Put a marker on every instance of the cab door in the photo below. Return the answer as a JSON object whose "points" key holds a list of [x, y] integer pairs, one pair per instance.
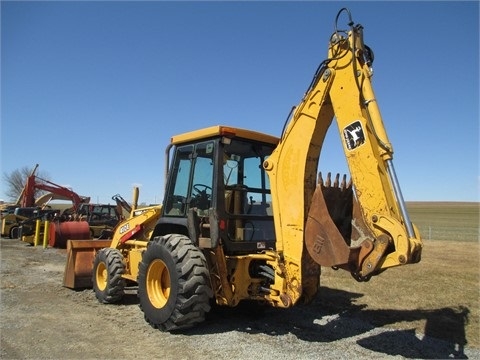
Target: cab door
{"points": [[191, 180]]}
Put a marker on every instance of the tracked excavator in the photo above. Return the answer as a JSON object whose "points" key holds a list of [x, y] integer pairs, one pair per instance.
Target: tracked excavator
{"points": [[246, 217]]}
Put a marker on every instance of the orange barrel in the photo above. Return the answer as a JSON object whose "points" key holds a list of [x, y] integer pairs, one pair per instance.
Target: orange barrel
{"points": [[68, 230]]}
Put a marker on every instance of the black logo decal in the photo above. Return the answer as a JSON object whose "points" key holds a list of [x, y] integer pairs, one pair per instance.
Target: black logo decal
{"points": [[354, 135]]}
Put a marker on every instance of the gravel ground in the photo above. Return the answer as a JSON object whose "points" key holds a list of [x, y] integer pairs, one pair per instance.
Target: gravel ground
{"points": [[40, 319]]}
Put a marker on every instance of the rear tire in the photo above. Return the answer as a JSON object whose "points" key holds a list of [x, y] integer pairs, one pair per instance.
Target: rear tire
{"points": [[173, 283], [108, 269]]}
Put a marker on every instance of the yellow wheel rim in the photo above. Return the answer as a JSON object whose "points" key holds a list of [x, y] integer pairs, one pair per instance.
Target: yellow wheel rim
{"points": [[101, 276], [158, 283]]}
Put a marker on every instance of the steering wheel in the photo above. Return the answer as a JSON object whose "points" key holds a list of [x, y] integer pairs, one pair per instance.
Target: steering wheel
{"points": [[201, 188], [201, 199]]}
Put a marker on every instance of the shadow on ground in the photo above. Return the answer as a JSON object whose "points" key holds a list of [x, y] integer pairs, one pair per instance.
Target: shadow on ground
{"points": [[334, 316]]}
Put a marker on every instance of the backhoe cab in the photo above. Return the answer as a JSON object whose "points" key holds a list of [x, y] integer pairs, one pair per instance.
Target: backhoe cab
{"points": [[246, 217], [218, 192]]}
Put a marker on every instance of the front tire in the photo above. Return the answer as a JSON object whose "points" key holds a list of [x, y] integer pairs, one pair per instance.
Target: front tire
{"points": [[108, 269], [14, 232], [173, 283]]}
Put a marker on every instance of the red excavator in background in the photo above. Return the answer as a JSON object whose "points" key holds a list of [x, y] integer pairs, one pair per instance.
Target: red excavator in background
{"points": [[11, 223], [34, 182]]}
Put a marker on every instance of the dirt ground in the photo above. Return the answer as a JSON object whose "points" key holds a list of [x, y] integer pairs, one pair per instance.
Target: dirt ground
{"points": [[40, 319]]}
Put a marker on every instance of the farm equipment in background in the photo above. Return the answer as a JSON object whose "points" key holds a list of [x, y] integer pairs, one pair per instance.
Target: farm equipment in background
{"points": [[101, 218], [13, 214], [122, 204], [35, 183], [11, 223], [92, 221], [28, 228], [244, 217], [6, 209]]}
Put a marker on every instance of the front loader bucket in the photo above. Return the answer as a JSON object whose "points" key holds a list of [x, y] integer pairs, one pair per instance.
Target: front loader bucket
{"points": [[329, 231], [79, 267]]}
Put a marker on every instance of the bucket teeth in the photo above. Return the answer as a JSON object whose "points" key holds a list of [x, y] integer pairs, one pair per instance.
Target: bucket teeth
{"points": [[336, 183], [329, 180], [344, 185], [320, 179], [335, 232]]}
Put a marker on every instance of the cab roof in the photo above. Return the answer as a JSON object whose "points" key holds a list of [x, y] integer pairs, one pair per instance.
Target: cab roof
{"points": [[221, 130]]}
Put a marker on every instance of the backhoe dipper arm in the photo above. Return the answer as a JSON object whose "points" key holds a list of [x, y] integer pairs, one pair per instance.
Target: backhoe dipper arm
{"points": [[342, 89]]}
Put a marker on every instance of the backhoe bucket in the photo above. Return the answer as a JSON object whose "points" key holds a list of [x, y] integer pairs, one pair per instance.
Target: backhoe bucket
{"points": [[329, 231], [79, 267]]}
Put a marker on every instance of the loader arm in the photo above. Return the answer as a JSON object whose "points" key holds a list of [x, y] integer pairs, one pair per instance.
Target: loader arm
{"points": [[305, 230], [134, 231]]}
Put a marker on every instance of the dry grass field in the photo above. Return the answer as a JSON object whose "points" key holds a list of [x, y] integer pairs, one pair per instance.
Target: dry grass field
{"points": [[439, 296], [446, 220]]}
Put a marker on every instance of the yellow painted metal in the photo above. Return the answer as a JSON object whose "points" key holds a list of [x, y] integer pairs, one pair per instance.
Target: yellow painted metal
{"points": [[101, 276], [46, 232], [30, 239], [143, 218], [220, 130], [36, 240], [241, 282], [158, 283], [135, 199], [343, 91], [133, 255]]}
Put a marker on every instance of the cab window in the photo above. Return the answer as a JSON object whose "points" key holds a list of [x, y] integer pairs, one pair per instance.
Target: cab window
{"points": [[191, 179]]}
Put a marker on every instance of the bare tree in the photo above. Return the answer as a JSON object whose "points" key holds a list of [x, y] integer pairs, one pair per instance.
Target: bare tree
{"points": [[15, 182]]}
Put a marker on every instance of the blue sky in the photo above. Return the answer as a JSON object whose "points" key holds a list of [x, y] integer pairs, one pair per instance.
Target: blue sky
{"points": [[93, 91]]}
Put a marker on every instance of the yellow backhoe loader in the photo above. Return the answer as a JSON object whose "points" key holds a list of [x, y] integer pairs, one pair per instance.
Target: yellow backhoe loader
{"points": [[246, 217]]}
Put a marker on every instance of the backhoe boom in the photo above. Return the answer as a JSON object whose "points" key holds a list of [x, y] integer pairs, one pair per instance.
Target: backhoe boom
{"points": [[341, 89]]}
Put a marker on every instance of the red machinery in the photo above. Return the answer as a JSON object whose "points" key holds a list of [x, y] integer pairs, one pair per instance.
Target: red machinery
{"points": [[60, 231], [34, 182]]}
